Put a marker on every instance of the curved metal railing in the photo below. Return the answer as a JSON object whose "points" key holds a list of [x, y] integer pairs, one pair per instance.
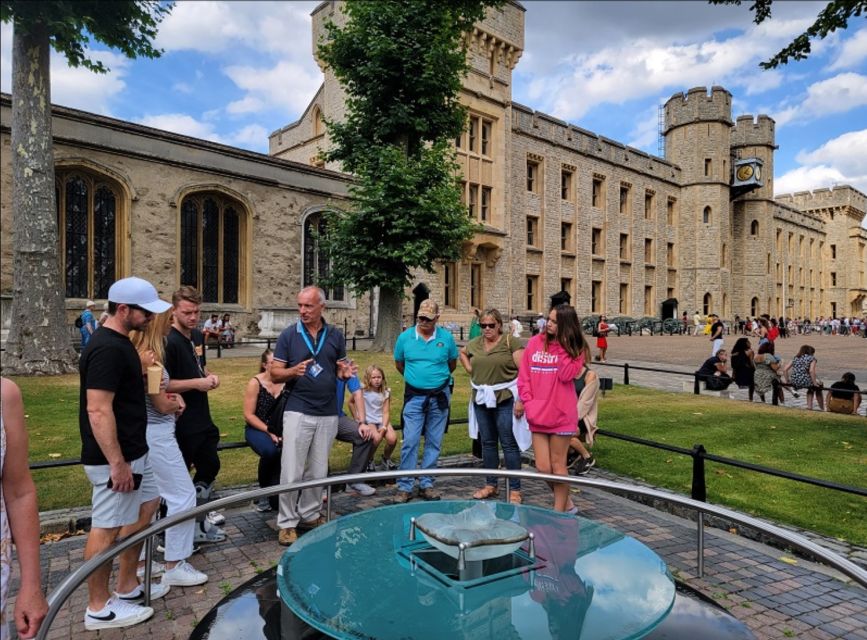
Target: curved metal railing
{"points": [[58, 597]]}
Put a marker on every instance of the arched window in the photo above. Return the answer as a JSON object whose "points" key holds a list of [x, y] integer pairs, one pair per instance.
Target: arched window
{"points": [[754, 228], [88, 207], [318, 124], [754, 307], [708, 301], [724, 259], [705, 216], [317, 264], [211, 230]]}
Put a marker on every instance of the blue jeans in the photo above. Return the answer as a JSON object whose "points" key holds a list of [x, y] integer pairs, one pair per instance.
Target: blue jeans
{"points": [[495, 424], [417, 422], [269, 457]]}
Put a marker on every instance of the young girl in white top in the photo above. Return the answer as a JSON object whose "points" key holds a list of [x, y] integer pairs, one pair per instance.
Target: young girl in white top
{"points": [[376, 410]]}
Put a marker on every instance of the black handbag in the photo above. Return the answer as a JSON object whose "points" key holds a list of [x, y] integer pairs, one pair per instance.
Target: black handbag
{"points": [[274, 419]]}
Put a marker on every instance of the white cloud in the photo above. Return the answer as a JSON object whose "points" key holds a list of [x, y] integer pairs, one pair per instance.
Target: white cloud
{"points": [[247, 104], [852, 52], [807, 179], [286, 86], [646, 67], [214, 27], [645, 135], [181, 123], [839, 94], [841, 160], [182, 87], [253, 137], [79, 88]]}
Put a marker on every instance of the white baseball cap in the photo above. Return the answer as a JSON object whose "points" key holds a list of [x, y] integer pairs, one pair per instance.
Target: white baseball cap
{"points": [[138, 292]]}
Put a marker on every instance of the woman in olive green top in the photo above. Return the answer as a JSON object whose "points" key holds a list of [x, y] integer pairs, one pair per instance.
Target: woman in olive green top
{"points": [[492, 362]]}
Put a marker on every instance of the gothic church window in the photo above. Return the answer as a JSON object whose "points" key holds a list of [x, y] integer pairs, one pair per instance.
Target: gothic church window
{"points": [[211, 230], [705, 216], [88, 209], [316, 262], [754, 228], [707, 303]]}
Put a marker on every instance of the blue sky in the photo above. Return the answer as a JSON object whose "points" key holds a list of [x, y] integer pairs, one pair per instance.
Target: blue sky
{"points": [[233, 72]]}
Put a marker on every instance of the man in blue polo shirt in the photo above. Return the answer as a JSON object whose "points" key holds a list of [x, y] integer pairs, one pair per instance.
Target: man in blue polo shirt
{"points": [[309, 357], [425, 355]]}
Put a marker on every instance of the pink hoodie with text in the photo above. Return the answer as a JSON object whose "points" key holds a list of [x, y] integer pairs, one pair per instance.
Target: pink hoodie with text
{"points": [[545, 386]]}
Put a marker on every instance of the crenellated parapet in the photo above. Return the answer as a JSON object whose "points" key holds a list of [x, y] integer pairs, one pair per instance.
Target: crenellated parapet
{"points": [[545, 127], [697, 105], [750, 132], [840, 197]]}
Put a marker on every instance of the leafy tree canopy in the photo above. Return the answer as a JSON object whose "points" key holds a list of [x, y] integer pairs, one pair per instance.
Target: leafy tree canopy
{"points": [[834, 16], [128, 27], [401, 63]]}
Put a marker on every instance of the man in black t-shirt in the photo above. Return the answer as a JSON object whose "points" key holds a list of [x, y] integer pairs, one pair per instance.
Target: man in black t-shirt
{"points": [[196, 432], [112, 422], [714, 372], [844, 396]]}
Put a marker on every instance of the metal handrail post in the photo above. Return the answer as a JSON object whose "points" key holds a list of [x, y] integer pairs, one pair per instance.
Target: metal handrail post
{"points": [[700, 544]]}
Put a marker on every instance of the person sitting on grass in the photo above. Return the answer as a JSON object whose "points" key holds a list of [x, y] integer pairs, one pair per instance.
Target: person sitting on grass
{"points": [[844, 396], [714, 372]]}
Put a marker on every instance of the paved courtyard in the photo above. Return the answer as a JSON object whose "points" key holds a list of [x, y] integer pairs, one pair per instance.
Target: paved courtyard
{"points": [[777, 594]]}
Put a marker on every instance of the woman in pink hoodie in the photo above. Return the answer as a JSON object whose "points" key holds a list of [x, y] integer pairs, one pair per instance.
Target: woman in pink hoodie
{"points": [[552, 359]]}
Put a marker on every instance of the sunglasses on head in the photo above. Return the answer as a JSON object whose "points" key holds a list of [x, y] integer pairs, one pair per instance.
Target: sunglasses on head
{"points": [[488, 325], [425, 319], [147, 313]]}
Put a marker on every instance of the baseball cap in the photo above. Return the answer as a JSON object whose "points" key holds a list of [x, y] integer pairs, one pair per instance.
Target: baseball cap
{"points": [[428, 308], [138, 292]]}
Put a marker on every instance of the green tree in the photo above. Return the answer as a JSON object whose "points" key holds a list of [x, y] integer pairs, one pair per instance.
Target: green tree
{"points": [[834, 16], [38, 342], [401, 63]]}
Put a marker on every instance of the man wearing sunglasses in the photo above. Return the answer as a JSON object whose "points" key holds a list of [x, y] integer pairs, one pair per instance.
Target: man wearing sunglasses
{"points": [[113, 421], [425, 355]]}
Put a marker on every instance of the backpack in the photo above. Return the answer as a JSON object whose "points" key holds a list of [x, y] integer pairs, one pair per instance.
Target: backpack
{"points": [[595, 330], [79, 323]]}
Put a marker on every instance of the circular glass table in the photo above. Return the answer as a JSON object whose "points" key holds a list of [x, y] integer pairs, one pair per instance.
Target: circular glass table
{"points": [[365, 575]]}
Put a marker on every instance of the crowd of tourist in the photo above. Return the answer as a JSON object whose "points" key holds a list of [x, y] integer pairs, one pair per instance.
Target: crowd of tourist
{"points": [[763, 372], [145, 421]]}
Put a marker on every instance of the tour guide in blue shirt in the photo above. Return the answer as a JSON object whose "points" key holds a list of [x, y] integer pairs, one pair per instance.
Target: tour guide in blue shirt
{"points": [[309, 357], [425, 355]]}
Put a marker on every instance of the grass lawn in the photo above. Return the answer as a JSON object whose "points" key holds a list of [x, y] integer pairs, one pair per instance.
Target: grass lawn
{"points": [[826, 446]]}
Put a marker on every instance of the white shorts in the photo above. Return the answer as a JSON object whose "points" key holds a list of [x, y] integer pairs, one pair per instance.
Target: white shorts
{"points": [[111, 509]]}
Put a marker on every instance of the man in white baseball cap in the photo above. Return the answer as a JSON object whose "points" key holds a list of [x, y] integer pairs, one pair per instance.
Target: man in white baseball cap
{"points": [[113, 421]]}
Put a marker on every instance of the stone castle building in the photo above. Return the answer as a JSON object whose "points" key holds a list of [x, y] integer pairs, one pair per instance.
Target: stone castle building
{"points": [[562, 208]]}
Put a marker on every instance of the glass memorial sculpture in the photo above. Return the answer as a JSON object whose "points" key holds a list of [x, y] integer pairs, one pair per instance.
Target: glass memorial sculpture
{"points": [[462, 569]]}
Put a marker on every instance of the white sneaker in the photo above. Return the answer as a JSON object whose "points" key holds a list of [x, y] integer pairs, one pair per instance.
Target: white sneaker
{"points": [[216, 518], [363, 489], [116, 614], [156, 569], [183, 574], [158, 590]]}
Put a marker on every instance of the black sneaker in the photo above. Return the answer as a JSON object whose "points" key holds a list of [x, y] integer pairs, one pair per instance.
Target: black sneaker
{"points": [[584, 465], [571, 458]]}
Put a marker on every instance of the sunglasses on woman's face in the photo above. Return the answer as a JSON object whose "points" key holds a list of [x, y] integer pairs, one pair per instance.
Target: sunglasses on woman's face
{"points": [[486, 325]]}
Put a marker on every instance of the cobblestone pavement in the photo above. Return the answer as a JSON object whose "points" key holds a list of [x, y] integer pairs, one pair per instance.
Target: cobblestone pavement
{"points": [[777, 594]]}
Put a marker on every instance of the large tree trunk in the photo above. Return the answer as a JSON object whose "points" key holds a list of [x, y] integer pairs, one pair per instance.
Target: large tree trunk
{"points": [[38, 342], [388, 325]]}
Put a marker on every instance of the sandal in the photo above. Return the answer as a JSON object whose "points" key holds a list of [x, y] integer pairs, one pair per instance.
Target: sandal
{"points": [[515, 497], [485, 492]]}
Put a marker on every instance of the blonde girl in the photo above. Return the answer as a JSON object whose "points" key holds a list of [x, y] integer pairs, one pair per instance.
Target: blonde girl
{"points": [[170, 471], [377, 404]]}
